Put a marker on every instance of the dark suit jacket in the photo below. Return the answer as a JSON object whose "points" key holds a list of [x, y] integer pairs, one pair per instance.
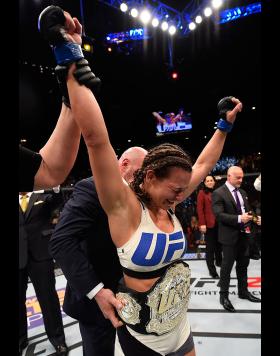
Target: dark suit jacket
{"points": [[226, 212], [35, 227], [82, 246]]}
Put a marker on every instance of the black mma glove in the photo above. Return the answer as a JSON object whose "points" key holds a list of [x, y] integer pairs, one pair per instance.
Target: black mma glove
{"points": [[225, 105], [51, 24]]}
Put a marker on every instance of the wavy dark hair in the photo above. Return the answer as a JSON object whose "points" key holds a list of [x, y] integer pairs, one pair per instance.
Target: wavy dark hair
{"points": [[160, 159], [206, 189]]}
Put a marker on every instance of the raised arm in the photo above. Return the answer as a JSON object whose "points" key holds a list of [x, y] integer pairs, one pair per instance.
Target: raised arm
{"points": [[64, 34], [212, 151], [103, 160], [60, 151]]}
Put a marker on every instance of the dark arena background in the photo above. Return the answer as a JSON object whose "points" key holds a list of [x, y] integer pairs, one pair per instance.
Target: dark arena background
{"points": [[144, 70]]}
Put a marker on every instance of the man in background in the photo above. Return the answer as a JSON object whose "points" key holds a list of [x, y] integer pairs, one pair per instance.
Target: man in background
{"points": [[231, 208], [35, 213]]}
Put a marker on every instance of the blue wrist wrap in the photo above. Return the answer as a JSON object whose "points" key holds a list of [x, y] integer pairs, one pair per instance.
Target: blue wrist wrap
{"points": [[68, 52], [224, 125]]}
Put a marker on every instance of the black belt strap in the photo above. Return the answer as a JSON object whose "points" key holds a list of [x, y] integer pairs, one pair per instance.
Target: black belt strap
{"points": [[145, 275]]}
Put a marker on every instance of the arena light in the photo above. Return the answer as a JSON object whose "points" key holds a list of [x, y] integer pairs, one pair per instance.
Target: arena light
{"points": [[155, 22], [172, 30], [123, 7], [216, 4], [134, 12], [198, 19], [145, 16], [208, 11], [180, 19], [192, 26], [164, 26]]}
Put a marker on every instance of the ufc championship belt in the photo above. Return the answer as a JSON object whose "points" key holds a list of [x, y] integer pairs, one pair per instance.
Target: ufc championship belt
{"points": [[159, 310]]}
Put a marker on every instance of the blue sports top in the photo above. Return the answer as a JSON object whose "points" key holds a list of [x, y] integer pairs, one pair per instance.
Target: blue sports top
{"points": [[149, 251]]}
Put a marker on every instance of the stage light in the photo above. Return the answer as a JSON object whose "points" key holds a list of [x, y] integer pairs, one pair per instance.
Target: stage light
{"points": [[198, 19], [145, 16], [109, 49], [164, 26], [134, 12], [155, 22], [172, 30], [208, 11], [216, 3], [123, 7], [192, 26]]}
